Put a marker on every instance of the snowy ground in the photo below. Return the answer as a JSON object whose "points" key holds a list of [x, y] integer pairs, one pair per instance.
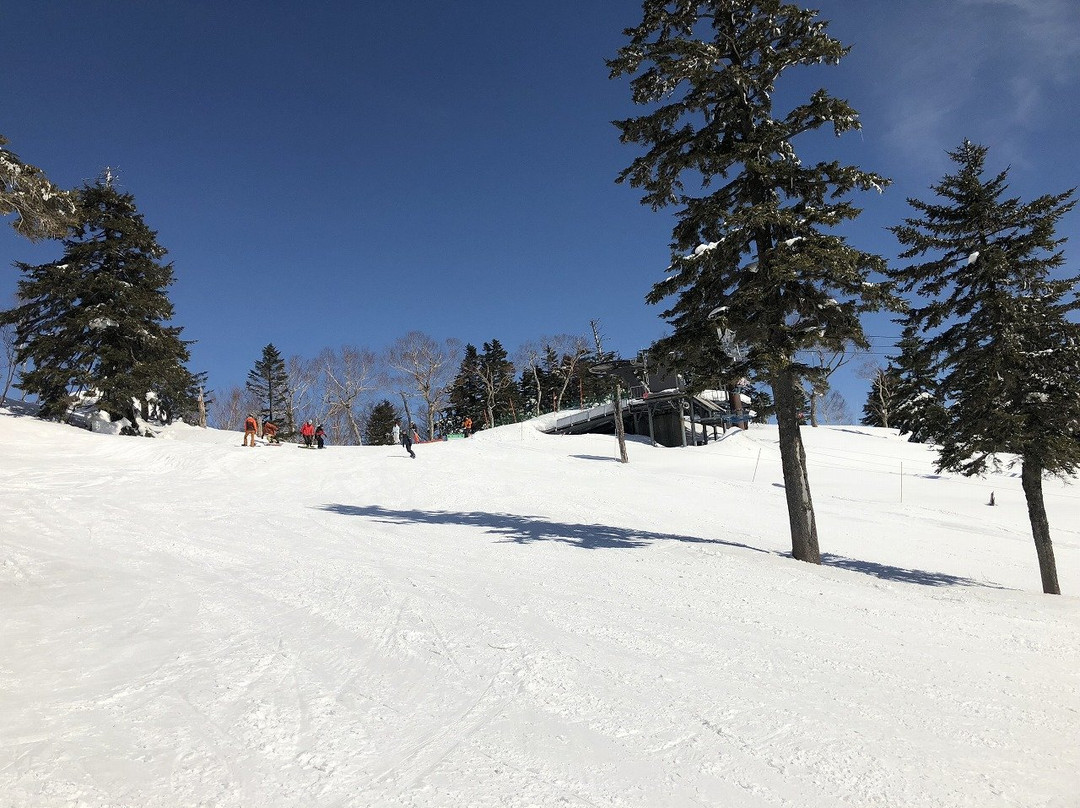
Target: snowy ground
{"points": [[519, 620]]}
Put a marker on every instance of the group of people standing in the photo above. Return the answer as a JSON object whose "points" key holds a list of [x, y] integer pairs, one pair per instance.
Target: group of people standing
{"points": [[311, 434], [315, 436]]}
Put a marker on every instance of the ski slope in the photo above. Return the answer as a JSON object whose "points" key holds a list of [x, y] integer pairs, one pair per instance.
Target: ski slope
{"points": [[519, 620]]}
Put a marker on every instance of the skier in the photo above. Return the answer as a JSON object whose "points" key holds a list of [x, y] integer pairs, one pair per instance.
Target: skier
{"points": [[395, 433], [307, 432], [467, 426], [251, 426], [320, 434]]}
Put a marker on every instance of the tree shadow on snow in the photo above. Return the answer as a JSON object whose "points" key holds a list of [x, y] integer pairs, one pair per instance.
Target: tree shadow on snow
{"points": [[890, 573], [529, 529]]}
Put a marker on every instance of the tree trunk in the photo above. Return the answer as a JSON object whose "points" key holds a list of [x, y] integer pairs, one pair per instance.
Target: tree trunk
{"points": [[1031, 477], [620, 432], [804, 539]]}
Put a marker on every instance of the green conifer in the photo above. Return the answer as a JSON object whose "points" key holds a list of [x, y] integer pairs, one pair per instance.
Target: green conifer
{"points": [[93, 325], [751, 253], [1005, 352]]}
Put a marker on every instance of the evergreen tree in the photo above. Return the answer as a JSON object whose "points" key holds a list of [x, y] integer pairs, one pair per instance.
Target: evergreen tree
{"points": [[1007, 354], [752, 255], [466, 393], [42, 210], [268, 382], [380, 424], [93, 324], [919, 411], [495, 372]]}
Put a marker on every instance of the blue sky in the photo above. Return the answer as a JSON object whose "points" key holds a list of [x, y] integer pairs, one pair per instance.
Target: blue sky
{"points": [[337, 173]]}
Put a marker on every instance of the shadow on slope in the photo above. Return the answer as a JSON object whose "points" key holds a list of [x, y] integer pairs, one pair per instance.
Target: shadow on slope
{"points": [[890, 573], [528, 529]]}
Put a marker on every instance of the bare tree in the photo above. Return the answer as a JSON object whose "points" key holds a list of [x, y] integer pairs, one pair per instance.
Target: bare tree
{"points": [[346, 376], [419, 364], [833, 409], [881, 402], [303, 380], [7, 340], [827, 362], [227, 411], [571, 350], [530, 358]]}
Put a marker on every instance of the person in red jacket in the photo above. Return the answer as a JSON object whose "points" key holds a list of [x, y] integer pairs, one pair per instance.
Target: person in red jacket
{"points": [[251, 426], [307, 431]]}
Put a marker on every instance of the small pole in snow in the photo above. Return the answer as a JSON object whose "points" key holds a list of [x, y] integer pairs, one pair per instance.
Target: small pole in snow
{"points": [[901, 480], [756, 464], [991, 502]]}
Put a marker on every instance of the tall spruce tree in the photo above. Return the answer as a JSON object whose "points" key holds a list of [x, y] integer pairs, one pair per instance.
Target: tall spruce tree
{"points": [[268, 382], [751, 253], [466, 392], [1007, 354], [94, 323], [495, 372], [919, 411]]}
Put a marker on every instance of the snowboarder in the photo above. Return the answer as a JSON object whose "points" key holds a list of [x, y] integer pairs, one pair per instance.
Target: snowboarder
{"points": [[467, 426], [307, 432], [406, 441], [251, 426], [270, 432], [395, 433], [320, 434]]}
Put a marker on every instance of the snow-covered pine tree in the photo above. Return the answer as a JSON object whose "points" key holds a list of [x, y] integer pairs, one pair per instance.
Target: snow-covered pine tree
{"points": [[94, 322], [268, 382], [750, 253], [919, 410], [41, 209], [997, 322]]}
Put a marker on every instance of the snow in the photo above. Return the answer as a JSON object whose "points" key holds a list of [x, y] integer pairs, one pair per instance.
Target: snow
{"points": [[517, 619], [971, 259]]}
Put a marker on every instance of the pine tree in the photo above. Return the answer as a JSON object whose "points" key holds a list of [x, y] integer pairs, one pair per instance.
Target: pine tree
{"points": [[1007, 354], [380, 424], [268, 382], [752, 255], [495, 372], [42, 210], [466, 393], [93, 324], [919, 410]]}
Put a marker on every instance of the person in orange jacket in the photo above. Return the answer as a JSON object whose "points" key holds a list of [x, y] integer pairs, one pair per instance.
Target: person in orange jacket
{"points": [[307, 432], [270, 432], [251, 426]]}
